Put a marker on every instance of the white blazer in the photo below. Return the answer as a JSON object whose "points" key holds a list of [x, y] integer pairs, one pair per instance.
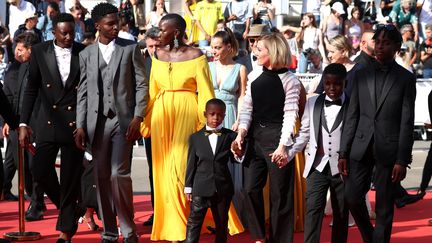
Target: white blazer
{"points": [[309, 132]]}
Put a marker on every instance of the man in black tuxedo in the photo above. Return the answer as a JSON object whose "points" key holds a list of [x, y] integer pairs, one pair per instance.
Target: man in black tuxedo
{"points": [[14, 86], [378, 132], [54, 75], [208, 181]]}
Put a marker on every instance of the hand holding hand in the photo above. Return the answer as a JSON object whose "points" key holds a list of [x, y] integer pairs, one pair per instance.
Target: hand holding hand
{"points": [[280, 156], [398, 173], [133, 131], [237, 151], [80, 138]]}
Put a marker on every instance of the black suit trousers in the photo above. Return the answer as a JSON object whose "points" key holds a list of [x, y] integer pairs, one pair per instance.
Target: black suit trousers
{"points": [[219, 205], [66, 193], [264, 141], [427, 171], [317, 184], [357, 185]]}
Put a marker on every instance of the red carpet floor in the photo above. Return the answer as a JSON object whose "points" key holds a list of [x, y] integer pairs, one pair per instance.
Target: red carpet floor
{"points": [[409, 224]]}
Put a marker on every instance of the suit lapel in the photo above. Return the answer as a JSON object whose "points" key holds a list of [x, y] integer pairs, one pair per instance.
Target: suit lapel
{"points": [[115, 58], [371, 86], [390, 80], [220, 141], [340, 116], [318, 107], [205, 142], [51, 63], [74, 70]]}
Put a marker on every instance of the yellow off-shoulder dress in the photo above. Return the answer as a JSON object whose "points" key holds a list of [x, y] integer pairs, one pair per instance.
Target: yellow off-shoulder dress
{"points": [[178, 94]]}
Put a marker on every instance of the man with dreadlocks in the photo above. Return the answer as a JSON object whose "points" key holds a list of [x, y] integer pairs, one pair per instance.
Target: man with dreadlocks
{"points": [[112, 97]]}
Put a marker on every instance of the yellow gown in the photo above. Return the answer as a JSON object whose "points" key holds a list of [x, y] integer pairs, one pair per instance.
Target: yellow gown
{"points": [[178, 94], [191, 27]]}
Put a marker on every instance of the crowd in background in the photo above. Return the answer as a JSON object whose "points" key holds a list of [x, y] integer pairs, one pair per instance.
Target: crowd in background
{"points": [[230, 50]]}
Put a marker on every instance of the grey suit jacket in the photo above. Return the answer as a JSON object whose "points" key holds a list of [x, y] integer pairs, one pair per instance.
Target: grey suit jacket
{"points": [[130, 86]]}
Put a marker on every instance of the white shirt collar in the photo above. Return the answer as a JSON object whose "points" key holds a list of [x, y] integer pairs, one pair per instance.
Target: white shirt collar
{"points": [[109, 45], [61, 49], [342, 97], [217, 128]]}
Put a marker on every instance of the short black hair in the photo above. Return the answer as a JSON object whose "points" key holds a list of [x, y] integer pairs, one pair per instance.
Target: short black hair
{"points": [[2, 50], [335, 69], [101, 10], [177, 20], [54, 6], [152, 33], [216, 102], [389, 31], [28, 39], [61, 18]]}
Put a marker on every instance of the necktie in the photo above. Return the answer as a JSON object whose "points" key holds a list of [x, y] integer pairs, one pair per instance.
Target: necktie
{"points": [[333, 102], [209, 132]]}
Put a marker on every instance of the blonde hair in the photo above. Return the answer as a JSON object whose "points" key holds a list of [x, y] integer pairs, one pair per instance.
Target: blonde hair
{"points": [[341, 43], [278, 49]]}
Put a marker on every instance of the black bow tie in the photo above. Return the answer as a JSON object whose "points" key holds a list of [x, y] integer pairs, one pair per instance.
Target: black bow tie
{"points": [[209, 132], [333, 102]]}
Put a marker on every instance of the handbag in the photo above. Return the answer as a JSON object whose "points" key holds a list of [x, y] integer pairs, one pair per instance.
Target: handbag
{"points": [[88, 187]]}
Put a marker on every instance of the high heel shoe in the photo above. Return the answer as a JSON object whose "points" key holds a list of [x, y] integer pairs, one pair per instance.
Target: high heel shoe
{"points": [[90, 223]]}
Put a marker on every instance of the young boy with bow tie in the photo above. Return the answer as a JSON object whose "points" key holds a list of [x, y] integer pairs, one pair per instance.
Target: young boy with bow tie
{"points": [[208, 180], [321, 126]]}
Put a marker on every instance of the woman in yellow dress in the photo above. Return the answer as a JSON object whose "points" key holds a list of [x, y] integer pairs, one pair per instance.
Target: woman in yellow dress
{"points": [[191, 26], [180, 86]]}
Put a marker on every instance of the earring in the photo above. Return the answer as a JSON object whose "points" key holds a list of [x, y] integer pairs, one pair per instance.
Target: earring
{"points": [[176, 42]]}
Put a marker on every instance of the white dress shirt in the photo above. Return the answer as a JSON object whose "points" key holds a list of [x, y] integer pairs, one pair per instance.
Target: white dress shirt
{"points": [[331, 112], [213, 137], [107, 50], [63, 57]]}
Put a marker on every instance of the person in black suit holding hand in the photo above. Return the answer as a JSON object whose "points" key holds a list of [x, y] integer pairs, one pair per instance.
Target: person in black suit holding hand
{"points": [[378, 132], [208, 180], [54, 74]]}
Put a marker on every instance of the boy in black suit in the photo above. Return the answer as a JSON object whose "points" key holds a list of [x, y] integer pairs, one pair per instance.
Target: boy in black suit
{"points": [[208, 180]]}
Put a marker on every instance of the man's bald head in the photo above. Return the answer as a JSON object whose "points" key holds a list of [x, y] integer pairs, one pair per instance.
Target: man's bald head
{"points": [[367, 44]]}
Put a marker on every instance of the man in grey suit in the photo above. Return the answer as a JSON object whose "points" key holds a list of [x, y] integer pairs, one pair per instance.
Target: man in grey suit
{"points": [[112, 97]]}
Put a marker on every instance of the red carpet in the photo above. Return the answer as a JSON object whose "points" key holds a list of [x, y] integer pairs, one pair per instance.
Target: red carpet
{"points": [[409, 224]]}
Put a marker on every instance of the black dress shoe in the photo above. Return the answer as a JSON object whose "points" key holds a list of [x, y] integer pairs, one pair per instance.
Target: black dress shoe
{"points": [[8, 196], [109, 241], [34, 213], [60, 240], [407, 199], [131, 239], [149, 221]]}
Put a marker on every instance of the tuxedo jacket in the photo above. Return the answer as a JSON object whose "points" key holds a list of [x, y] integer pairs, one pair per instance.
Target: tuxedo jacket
{"points": [[208, 173], [130, 87], [311, 126], [57, 112], [387, 122]]}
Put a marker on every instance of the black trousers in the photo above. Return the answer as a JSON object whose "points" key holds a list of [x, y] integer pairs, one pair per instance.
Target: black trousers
{"points": [[219, 205], [66, 193], [357, 184], [317, 184], [427, 171], [147, 143], [264, 140]]}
